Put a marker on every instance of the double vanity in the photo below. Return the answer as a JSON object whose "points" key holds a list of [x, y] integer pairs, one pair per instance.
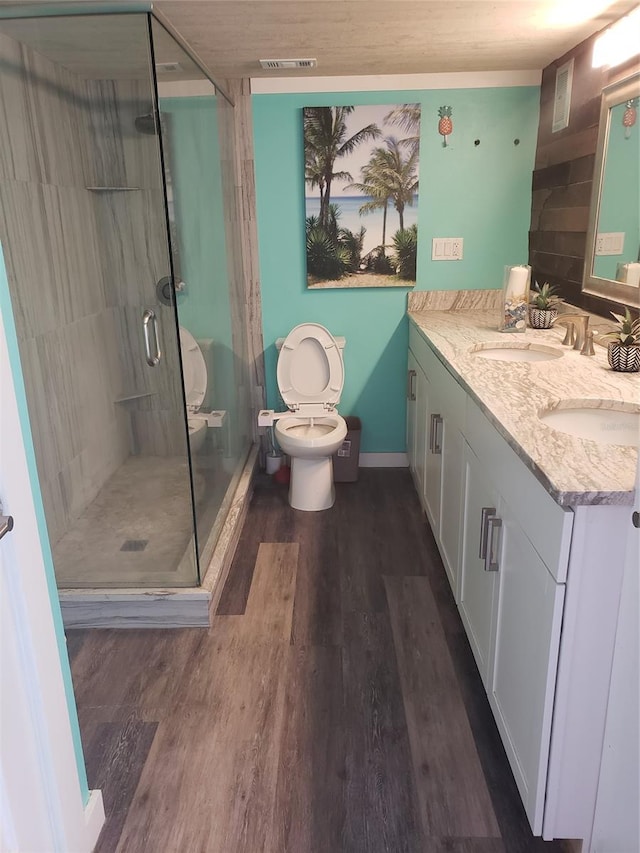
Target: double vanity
{"points": [[524, 454]]}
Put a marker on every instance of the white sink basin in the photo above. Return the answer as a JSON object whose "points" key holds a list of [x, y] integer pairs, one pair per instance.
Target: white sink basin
{"points": [[603, 421], [508, 351]]}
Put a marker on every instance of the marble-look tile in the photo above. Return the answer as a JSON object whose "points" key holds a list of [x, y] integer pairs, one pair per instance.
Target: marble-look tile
{"points": [[123, 156], [41, 128], [166, 608], [18, 156], [75, 256], [512, 394], [53, 263], [27, 242], [53, 100], [453, 300], [147, 499], [160, 432], [133, 245]]}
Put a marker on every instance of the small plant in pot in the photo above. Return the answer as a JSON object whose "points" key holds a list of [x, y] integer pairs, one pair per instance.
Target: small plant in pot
{"points": [[543, 308], [623, 350]]}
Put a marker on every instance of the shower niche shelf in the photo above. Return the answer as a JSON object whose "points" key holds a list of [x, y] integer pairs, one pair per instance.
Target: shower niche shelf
{"points": [[126, 398], [113, 189]]}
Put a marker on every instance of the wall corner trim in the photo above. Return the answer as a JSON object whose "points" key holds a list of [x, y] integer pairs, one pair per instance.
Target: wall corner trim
{"points": [[395, 82]]}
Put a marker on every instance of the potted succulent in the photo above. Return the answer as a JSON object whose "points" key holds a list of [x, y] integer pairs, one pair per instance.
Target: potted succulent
{"points": [[623, 350], [543, 308]]}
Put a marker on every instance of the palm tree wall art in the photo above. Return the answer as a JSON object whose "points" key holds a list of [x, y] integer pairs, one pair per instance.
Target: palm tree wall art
{"points": [[361, 182]]}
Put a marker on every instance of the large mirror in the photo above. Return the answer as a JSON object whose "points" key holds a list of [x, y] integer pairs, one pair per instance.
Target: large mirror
{"points": [[612, 260]]}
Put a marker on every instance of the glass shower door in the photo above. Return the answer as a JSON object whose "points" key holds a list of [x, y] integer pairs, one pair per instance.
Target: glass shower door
{"points": [[197, 140], [84, 231]]}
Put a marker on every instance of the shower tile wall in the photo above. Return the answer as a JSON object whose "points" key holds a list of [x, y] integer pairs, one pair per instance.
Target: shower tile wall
{"points": [[50, 238], [81, 267], [134, 256], [244, 300]]}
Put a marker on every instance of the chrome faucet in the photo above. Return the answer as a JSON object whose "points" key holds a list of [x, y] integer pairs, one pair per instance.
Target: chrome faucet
{"points": [[577, 331]]}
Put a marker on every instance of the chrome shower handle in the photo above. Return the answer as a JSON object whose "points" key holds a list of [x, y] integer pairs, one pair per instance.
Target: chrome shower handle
{"points": [[150, 321]]}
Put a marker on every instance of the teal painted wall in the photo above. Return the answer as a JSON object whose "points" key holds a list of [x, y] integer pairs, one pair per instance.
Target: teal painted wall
{"points": [[481, 193], [196, 186], [619, 202], [16, 369]]}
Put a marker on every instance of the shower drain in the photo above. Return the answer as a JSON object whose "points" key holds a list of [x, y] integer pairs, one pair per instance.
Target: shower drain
{"points": [[134, 544]]}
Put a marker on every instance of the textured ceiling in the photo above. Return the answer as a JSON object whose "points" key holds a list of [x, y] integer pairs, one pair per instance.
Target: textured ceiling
{"points": [[347, 37], [386, 36]]}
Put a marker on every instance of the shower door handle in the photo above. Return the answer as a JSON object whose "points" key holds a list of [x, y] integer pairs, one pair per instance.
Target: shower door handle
{"points": [[6, 524], [150, 322]]}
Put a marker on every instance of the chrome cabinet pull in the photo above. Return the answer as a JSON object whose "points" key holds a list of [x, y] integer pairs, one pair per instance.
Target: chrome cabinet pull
{"points": [[411, 394], [434, 443], [493, 523], [487, 511], [6, 524], [150, 321]]}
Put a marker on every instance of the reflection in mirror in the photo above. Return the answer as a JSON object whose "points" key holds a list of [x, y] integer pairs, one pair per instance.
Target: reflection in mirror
{"points": [[612, 262]]}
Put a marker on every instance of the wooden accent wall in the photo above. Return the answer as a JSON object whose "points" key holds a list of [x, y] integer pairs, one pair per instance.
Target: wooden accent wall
{"points": [[563, 177]]}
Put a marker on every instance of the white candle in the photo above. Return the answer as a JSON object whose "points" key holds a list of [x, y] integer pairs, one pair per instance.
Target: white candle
{"points": [[517, 284]]}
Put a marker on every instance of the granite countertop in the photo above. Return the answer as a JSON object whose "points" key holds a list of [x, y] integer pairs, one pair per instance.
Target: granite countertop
{"points": [[511, 394]]}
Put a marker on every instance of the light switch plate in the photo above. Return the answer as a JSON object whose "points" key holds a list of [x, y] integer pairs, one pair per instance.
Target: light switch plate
{"points": [[447, 249], [610, 243]]}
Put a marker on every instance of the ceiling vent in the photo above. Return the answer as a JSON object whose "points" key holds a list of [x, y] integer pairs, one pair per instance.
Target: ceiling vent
{"points": [[562, 100], [287, 64]]}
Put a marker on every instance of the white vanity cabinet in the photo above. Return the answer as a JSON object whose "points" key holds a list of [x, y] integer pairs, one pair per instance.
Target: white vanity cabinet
{"points": [[435, 415], [537, 582], [514, 562]]}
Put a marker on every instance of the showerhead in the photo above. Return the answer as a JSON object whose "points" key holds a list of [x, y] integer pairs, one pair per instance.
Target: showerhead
{"points": [[146, 124]]}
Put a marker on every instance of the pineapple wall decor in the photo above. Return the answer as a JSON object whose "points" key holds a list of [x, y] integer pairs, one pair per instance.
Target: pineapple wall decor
{"points": [[445, 125], [630, 116]]}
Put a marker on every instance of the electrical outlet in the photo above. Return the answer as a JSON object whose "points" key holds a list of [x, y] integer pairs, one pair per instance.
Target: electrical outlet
{"points": [[456, 248]]}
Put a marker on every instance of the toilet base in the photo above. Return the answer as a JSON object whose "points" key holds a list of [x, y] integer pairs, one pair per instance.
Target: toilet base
{"points": [[311, 485]]}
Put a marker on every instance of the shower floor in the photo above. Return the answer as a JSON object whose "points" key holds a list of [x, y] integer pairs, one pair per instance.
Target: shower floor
{"points": [[138, 531]]}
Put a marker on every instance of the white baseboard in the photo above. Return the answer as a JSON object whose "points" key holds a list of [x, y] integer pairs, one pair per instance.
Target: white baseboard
{"points": [[94, 818], [384, 460]]}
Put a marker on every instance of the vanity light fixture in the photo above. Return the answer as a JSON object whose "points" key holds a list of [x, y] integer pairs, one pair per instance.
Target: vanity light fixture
{"points": [[618, 43]]}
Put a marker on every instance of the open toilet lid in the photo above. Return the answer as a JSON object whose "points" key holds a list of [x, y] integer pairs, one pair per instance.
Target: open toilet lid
{"points": [[194, 370], [310, 368]]}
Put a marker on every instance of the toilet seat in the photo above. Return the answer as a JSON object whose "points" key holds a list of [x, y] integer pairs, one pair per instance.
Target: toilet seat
{"points": [[310, 370], [194, 371]]}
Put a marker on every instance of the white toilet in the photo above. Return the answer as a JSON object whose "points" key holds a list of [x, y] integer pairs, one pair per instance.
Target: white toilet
{"points": [[194, 372], [310, 378]]}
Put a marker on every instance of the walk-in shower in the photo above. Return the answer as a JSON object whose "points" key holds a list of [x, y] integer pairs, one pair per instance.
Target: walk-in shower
{"points": [[116, 212]]}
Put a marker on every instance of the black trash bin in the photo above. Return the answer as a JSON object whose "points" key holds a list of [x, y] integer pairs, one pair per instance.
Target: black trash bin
{"points": [[347, 457]]}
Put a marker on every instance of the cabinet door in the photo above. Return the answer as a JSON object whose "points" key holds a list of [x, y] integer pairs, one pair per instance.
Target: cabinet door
{"points": [[523, 675], [434, 446], [478, 587], [450, 511], [412, 372], [416, 422]]}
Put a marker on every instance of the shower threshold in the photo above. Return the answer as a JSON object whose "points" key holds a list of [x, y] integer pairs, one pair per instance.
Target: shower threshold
{"points": [[163, 606]]}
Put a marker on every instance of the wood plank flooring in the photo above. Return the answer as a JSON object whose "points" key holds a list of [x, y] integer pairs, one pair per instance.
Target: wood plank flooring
{"points": [[334, 705]]}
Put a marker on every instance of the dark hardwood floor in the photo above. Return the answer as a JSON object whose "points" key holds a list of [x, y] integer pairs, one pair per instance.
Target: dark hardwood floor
{"points": [[334, 705]]}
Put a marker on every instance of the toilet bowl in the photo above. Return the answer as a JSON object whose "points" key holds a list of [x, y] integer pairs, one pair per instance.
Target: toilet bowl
{"points": [[310, 378], [194, 373]]}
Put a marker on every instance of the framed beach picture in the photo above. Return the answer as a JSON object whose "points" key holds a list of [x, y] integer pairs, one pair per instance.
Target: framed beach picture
{"points": [[361, 195]]}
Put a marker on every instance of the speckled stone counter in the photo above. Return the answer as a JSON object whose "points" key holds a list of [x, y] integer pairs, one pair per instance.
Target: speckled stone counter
{"points": [[512, 394]]}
